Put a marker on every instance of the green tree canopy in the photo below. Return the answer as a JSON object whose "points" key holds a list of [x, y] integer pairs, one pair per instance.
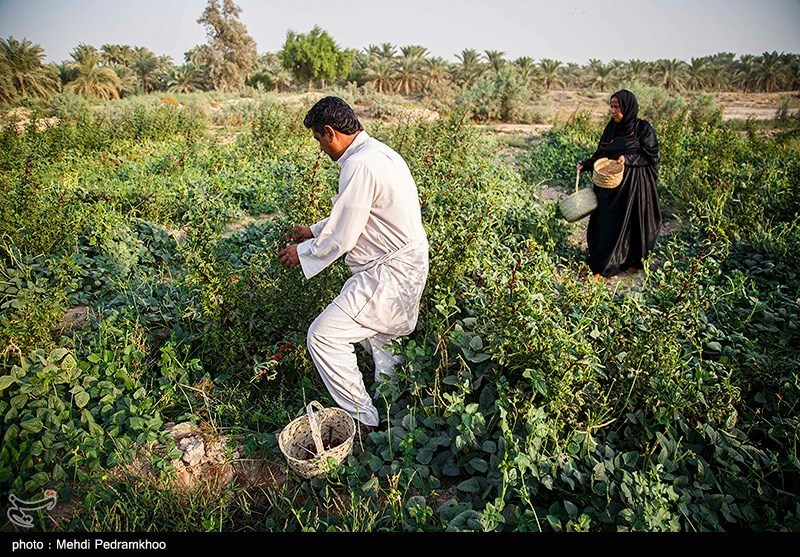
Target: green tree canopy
{"points": [[231, 53], [22, 72], [92, 80], [315, 56]]}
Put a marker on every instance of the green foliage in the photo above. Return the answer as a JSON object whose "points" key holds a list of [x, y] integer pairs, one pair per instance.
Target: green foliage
{"points": [[31, 307], [22, 72], [86, 409], [529, 399], [657, 104], [502, 97], [230, 53], [315, 56], [556, 152]]}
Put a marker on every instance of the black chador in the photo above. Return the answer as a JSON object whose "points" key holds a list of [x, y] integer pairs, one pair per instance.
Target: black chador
{"points": [[625, 225]]}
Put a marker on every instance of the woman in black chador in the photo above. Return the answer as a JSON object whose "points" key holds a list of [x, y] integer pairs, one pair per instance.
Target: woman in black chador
{"points": [[626, 222]]}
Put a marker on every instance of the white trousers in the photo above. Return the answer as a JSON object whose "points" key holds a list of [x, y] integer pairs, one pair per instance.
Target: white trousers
{"points": [[330, 342]]}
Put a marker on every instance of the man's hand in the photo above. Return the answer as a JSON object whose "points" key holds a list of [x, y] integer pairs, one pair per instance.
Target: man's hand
{"points": [[297, 233], [288, 256]]}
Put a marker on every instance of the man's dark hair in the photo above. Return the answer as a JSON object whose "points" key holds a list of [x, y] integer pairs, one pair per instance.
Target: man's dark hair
{"points": [[333, 112]]}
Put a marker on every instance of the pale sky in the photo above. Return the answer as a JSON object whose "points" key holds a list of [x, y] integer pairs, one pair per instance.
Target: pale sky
{"points": [[565, 30]]}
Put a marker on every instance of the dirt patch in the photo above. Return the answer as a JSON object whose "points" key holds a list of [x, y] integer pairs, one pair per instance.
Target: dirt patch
{"points": [[734, 105], [440, 497], [208, 461], [241, 224], [226, 137], [298, 101], [74, 318], [362, 112], [759, 106], [21, 118], [515, 129], [177, 233], [746, 113]]}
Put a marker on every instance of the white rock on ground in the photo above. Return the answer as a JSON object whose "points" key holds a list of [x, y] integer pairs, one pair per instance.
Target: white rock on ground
{"points": [[193, 450]]}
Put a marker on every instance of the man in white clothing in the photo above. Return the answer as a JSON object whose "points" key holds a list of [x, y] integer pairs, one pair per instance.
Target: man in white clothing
{"points": [[376, 221]]}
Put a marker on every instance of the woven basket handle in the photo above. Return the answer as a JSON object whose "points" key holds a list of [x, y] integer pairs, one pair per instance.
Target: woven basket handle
{"points": [[313, 422], [577, 179]]}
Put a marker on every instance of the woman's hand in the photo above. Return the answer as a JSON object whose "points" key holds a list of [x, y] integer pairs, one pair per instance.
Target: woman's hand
{"points": [[621, 159], [579, 166]]}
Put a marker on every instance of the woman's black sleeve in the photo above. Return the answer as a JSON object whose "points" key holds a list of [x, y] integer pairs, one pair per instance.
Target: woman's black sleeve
{"points": [[648, 144], [646, 152], [588, 164]]}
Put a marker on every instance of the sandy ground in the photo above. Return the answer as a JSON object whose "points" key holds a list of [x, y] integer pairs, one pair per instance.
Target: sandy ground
{"points": [[735, 105]]}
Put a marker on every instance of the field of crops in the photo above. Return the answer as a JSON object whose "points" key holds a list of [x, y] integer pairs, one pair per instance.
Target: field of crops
{"points": [[140, 288]]}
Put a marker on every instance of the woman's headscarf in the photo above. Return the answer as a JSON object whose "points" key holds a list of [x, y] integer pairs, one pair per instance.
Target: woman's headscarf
{"points": [[630, 113]]}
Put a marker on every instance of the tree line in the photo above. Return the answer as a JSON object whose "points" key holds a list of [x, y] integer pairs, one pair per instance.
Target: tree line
{"points": [[229, 61]]}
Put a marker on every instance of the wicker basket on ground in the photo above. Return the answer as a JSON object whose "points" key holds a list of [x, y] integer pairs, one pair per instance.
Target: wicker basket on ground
{"points": [[314, 429]]}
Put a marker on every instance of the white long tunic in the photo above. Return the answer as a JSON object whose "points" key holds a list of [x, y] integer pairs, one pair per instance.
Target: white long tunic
{"points": [[376, 221]]}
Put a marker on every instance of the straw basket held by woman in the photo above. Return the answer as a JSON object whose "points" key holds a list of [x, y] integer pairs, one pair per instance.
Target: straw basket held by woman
{"points": [[625, 225]]}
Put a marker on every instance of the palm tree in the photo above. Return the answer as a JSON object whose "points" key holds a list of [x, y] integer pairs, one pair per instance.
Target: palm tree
{"points": [[146, 67], [92, 79], [408, 69], [699, 68], [414, 51], [526, 68], [637, 70], [281, 77], [794, 73], [164, 67], [268, 71], [387, 50], [571, 75], [121, 54], [602, 74], [715, 77], [380, 71], [550, 70], [129, 81], [617, 65], [470, 68], [744, 73], [434, 70], [594, 63], [769, 71], [7, 89], [723, 70], [183, 79], [24, 71], [495, 59], [671, 73], [65, 72]]}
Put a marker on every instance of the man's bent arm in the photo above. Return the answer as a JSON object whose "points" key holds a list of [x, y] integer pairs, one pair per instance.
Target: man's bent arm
{"points": [[342, 229]]}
